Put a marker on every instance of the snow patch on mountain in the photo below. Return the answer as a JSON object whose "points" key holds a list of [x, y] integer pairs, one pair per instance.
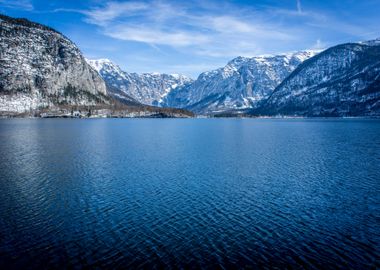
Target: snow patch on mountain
{"points": [[341, 81], [40, 67], [240, 84], [147, 88]]}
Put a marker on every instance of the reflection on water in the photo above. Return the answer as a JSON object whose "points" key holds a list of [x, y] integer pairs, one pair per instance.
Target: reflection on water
{"points": [[189, 193]]}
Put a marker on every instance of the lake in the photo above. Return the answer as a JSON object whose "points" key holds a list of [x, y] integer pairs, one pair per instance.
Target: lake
{"points": [[190, 193]]}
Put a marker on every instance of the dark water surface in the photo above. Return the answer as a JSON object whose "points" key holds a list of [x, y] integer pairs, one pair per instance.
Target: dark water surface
{"points": [[191, 193]]}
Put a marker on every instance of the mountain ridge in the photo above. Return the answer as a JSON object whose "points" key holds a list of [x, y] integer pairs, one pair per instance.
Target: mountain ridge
{"points": [[344, 80], [240, 84], [40, 67], [147, 88], [42, 71]]}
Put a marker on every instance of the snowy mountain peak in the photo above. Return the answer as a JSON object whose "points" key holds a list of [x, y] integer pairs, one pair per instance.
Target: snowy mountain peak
{"points": [[147, 88], [240, 84], [103, 63], [236, 62], [155, 73], [304, 55], [341, 81], [373, 42], [268, 58]]}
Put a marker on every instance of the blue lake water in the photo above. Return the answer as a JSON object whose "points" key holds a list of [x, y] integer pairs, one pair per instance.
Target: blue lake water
{"points": [[190, 193]]}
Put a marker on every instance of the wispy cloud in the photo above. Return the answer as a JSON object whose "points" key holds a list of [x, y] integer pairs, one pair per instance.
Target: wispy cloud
{"points": [[17, 4], [214, 31], [157, 36], [204, 31], [113, 10]]}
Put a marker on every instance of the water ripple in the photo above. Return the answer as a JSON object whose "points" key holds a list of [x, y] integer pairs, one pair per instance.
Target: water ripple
{"points": [[206, 193]]}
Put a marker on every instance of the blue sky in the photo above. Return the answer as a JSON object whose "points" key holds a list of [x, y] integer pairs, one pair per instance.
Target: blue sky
{"points": [[190, 37]]}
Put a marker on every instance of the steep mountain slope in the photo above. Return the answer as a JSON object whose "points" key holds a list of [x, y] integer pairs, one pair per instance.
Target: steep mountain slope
{"points": [[40, 67], [341, 81], [240, 84], [147, 88]]}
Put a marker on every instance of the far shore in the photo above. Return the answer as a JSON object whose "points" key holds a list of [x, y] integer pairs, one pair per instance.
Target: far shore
{"points": [[177, 116]]}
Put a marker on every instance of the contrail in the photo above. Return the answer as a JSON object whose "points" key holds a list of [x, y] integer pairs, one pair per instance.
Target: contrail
{"points": [[299, 7]]}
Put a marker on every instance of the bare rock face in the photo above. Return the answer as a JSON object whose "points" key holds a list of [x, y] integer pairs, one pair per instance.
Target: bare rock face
{"points": [[342, 81], [39, 67]]}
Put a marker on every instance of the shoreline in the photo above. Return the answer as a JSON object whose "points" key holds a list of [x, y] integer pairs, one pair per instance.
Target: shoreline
{"points": [[162, 116]]}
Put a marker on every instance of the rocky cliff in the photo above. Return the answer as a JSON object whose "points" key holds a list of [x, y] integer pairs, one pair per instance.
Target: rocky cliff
{"points": [[39, 68]]}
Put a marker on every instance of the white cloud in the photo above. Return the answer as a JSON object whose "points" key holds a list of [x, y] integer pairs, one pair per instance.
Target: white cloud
{"points": [[156, 36], [17, 4], [213, 29], [205, 32], [228, 24], [113, 10]]}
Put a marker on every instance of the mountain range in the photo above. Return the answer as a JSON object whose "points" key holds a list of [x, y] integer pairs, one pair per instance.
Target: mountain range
{"points": [[147, 88], [241, 84], [42, 69], [341, 81]]}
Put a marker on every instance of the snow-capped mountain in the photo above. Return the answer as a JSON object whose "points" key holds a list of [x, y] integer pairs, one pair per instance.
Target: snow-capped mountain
{"points": [[39, 67], [146, 88], [342, 81], [373, 42], [240, 84]]}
